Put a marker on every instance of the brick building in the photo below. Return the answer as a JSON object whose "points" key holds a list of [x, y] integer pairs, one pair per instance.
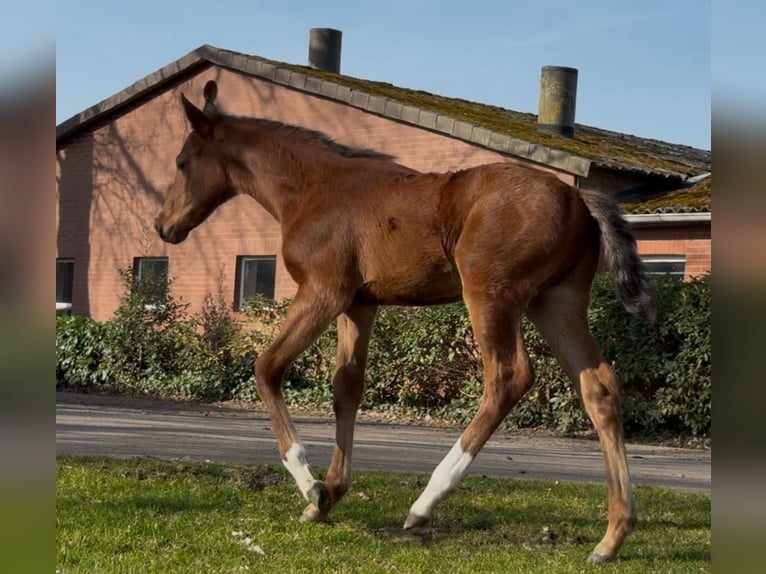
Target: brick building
{"points": [[115, 160]]}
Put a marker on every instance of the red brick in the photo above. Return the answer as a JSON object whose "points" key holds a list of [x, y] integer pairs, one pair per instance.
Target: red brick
{"points": [[111, 182]]}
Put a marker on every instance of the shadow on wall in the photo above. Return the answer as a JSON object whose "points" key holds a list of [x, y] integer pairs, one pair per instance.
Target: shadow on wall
{"points": [[111, 183], [352, 127], [113, 178], [75, 196]]}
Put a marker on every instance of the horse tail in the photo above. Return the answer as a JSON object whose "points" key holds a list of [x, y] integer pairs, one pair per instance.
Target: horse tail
{"points": [[621, 254]]}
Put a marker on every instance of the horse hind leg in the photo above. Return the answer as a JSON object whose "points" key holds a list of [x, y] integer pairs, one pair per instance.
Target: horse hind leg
{"points": [[507, 376], [354, 331], [560, 314]]}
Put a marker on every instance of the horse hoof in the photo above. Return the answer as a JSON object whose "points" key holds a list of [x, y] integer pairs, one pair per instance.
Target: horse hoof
{"points": [[319, 496], [415, 520], [312, 514], [596, 558]]}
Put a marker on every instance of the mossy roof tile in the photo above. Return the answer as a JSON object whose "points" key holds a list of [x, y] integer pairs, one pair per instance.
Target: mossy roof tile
{"points": [[506, 130]]}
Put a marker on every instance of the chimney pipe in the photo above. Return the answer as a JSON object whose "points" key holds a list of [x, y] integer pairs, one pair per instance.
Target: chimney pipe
{"points": [[324, 49], [558, 96]]}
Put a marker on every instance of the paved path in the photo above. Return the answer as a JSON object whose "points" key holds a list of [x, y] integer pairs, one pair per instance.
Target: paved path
{"points": [[127, 427]]}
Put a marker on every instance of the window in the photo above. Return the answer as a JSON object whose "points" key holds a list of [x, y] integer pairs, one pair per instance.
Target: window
{"points": [[151, 275], [665, 265], [256, 275], [64, 282]]}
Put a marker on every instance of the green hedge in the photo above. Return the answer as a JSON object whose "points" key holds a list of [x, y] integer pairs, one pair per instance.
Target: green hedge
{"points": [[422, 362]]}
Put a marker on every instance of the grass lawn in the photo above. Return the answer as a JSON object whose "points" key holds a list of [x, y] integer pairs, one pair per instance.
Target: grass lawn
{"points": [[139, 516]]}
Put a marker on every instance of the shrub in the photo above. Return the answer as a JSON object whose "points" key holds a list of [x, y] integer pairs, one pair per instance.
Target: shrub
{"points": [[225, 363], [421, 361], [80, 354], [665, 367], [150, 339], [685, 401], [149, 346]]}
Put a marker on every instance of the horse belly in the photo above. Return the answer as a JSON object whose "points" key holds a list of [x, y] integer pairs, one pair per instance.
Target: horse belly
{"points": [[433, 284]]}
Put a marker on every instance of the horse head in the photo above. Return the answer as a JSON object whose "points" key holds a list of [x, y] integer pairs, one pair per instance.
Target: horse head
{"points": [[201, 181]]}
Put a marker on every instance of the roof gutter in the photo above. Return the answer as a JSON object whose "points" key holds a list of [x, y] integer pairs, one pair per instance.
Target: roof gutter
{"points": [[647, 219]]}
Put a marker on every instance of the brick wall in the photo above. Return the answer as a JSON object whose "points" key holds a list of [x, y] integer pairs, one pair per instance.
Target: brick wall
{"points": [[111, 182], [691, 241]]}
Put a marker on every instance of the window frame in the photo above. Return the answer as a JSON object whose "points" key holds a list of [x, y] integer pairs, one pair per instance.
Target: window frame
{"points": [[62, 305], [239, 284], [138, 273], [667, 259]]}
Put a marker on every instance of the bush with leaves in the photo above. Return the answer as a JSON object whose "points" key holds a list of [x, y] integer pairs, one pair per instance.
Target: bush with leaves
{"points": [[425, 361], [227, 364], [80, 354], [149, 346], [421, 361], [665, 367], [684, 401], [150, 339]]}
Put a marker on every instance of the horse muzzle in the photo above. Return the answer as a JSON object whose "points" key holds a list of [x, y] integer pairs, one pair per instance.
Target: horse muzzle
{"points": [[171, 234]]}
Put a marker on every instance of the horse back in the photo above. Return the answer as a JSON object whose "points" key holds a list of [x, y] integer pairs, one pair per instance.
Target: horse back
{"points": [[393, 238]]}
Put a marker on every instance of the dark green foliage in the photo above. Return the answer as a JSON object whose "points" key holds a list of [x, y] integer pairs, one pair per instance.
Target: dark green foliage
{"points": [[424, 359], [422, 362], [228, 363], [552, 402], [149, 343], [665, 368], [80, 344], [150, 346]]}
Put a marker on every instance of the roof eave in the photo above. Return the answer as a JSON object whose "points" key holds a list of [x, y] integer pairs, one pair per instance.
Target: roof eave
{"points": [[207, 55], [134, 92], [653, 219], [395, 110], [295, 77]]}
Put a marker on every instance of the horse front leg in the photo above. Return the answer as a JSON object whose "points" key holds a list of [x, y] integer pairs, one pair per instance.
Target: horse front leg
{"points": [[354, 331], [308, 316]]}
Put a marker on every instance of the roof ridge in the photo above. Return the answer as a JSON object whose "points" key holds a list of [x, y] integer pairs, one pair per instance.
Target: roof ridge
{"points": [[305, 79], [135, 91], [500, 129]]}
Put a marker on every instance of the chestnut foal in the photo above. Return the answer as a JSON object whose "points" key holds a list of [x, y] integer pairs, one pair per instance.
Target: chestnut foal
{"points": [[360, 230]]}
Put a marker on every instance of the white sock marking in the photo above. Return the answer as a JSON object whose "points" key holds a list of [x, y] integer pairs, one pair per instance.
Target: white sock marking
{"points": [[444, 479], [296, 464]]}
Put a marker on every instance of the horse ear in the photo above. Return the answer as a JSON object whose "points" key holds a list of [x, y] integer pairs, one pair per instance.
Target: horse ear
{"points": [[200, 123], [211, 91]]}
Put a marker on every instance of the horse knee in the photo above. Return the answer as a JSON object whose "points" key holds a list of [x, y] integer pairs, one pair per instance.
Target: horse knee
{"points": [[348, 387], [268, 377], [520, 381]]}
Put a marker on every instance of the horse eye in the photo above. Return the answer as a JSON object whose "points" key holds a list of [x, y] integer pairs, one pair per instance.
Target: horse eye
{"points": [[181, 163]]}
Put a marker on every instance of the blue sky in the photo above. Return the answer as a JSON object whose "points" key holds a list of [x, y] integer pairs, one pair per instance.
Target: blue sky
{"points": [[645, 68]]}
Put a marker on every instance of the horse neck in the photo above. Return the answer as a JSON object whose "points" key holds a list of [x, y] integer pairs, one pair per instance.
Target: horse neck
{"points": [[282, 168]]}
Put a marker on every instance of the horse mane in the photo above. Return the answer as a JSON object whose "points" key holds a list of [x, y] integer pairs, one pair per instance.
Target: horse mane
{"points": [[307, 135]]}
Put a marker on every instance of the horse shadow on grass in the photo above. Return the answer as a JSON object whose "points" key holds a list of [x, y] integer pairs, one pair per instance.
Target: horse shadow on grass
{"points": [[554, 522], [550, 518], [478, 526]]}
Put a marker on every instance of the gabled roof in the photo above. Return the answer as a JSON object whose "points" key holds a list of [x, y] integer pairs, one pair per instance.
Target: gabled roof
{"points": [[493, 127]]}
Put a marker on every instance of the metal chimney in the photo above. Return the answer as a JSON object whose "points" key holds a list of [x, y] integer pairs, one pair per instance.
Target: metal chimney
{"points": [[324, 49], [558, 96]]}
